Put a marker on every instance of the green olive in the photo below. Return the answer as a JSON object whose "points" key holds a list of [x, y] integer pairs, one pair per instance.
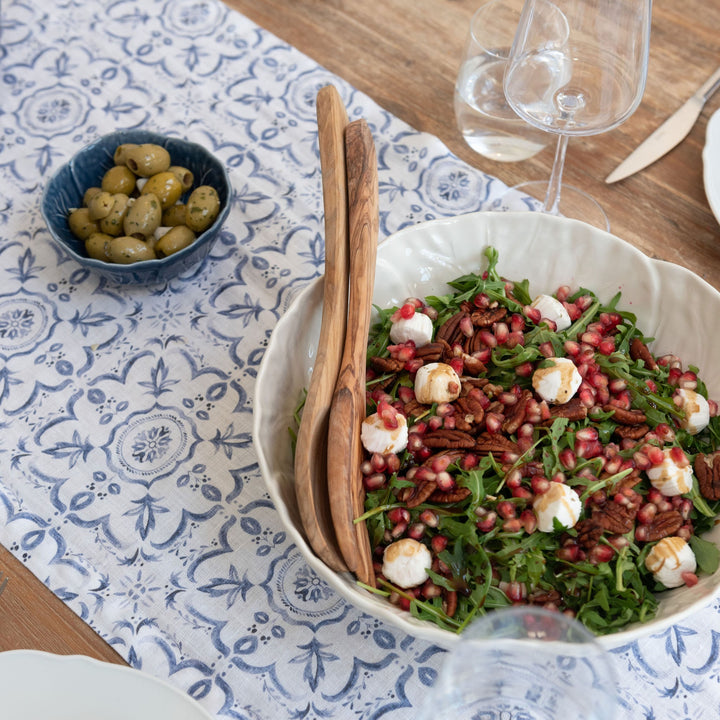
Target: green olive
{"points": [[203, 207], [165, 186], [97, 244], [119, 179], [121, 151], [143, 216], [90, 193], [183, 175], [126, 250], [100, 205], [173, 240], [81, 225], [147, 159], [112, 224], [174, 215]]}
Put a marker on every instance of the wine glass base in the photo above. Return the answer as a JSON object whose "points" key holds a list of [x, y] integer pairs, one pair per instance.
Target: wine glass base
{"points": [[574, 203]]}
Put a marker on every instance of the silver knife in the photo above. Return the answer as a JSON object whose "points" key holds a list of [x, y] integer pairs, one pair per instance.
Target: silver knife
{"points": [[668, 135]]}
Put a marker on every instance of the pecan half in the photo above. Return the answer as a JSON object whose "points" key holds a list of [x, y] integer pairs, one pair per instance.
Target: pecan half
{"points": [[664, 524], [625, 417], [414, 496], [414, 408], [589, 532], [450, 496], [450, 602], [449, 330], [386, 364], [639, 351], [573, 410], [445, 438], [707, 471], [615, 518], [485, 318], [432, 352], [632, 432], [489, 443], [515, 413], [470, 409]]}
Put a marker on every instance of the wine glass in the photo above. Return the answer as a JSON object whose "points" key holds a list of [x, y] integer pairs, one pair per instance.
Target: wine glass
{"points": [[577, 67]]}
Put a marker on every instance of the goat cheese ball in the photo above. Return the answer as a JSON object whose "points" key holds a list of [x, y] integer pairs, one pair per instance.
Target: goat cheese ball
{"points": [[696, 409], [436, 383], [552, 309], [376, 437], [557, 383], [669, 477], [418, 328], [406, 562], [669, 559], [559, 503]]}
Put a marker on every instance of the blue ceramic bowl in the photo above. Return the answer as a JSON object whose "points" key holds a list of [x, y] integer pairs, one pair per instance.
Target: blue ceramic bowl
{"points": [[67, 186]]}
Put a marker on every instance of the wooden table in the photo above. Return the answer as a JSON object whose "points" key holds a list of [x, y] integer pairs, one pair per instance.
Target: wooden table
{"points": [[405, 56]]}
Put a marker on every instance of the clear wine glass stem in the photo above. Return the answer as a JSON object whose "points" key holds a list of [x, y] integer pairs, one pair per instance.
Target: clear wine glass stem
{"points": [[552, 198]]}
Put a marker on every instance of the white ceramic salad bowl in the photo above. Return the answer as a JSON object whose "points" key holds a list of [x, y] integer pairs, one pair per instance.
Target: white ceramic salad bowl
{"points": [[673, 305]]}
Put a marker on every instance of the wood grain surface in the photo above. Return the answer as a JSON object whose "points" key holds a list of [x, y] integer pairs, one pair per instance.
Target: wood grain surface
{"points": [[405, 54]]}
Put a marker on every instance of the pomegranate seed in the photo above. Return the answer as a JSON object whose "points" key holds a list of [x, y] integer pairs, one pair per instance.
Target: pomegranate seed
{"points": [[398, 530], [430, 590], [482, 301], [532, 314], [388, 414], [398, 514], [466, 326], [678, 456], [572, 348], [458, 365], [546, 349], [438, 543], [431, 312], [445, 481], [493, 422], [435, 422], [618, 541], [674, 376], [506, 509], [688, 380], [591, 338], [562, 293], [469, 461], [515, 591], [569, 553], [607, 346], [521, 492], [374, 481], [540, 484], [407, 311], [416, 530], [601, 554], [488, 338], [689, 578], [647, 513], [568, 458], [487, 523], [685, 532], [517, 322], [529, 521], [572, 310], [712, 407], [430, 518], [525, 369], [378, 463], [512, 525], [587, 434], [424, 474]]}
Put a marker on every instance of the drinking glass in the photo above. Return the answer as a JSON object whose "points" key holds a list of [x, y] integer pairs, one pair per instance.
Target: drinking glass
{"points": [[487, 123], [524, 663], [577, 67]]}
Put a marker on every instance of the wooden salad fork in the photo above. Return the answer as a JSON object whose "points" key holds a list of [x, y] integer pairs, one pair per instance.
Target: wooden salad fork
{"points": [[345, 482], [311, 482]]}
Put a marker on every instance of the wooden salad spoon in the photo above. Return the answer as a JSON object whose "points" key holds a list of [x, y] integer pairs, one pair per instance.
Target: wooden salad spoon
{"points": [[345, 483], [311, 484]]}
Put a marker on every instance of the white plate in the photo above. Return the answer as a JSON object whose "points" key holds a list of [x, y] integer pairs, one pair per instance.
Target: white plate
{"points": [[673, 305], [711, 163], [36, 685]]}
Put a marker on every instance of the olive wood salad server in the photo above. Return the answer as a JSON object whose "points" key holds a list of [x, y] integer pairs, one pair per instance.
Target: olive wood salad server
{"points": [[311, 487], [348, 407]]}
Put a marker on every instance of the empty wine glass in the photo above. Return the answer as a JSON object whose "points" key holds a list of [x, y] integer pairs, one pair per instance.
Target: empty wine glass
{"points": [[577, 67]]}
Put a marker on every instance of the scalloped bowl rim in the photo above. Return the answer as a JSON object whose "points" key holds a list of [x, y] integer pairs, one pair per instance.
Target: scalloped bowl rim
{"points": [[439, 250], [145, 266]]}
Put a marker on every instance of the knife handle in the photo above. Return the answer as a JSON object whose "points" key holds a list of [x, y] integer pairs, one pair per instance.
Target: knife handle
{"points": [[710, 86]]}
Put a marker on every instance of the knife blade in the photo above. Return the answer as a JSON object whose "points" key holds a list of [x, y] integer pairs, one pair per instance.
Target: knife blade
{"points": [[671, 133]]}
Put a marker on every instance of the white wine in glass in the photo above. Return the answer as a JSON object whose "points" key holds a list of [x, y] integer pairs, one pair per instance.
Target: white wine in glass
{"points": [[577, 67]]}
